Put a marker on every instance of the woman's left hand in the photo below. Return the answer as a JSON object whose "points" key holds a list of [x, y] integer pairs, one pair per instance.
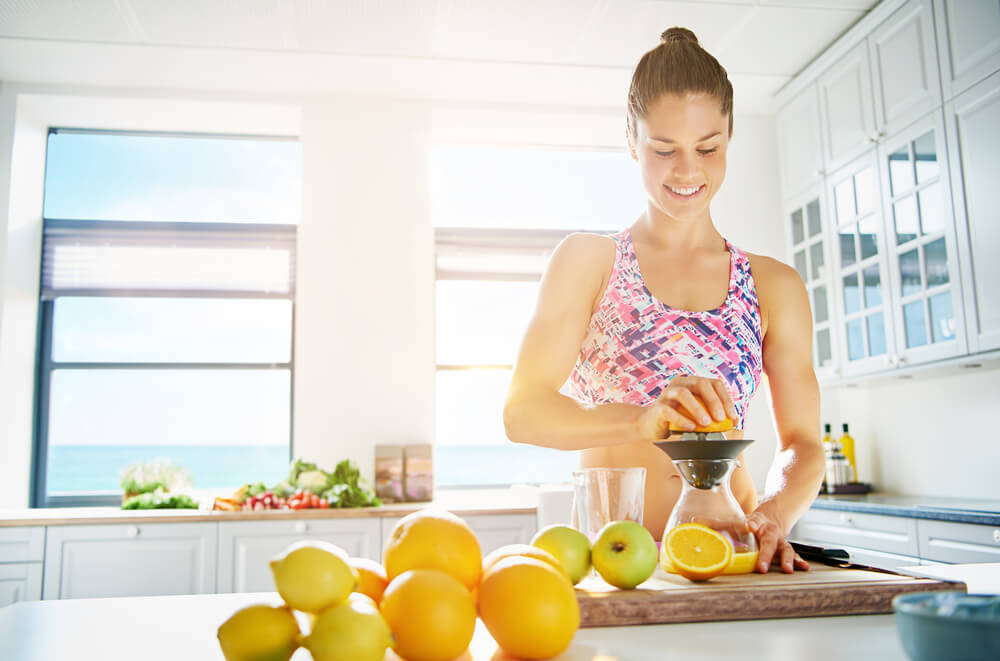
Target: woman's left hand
{"points": [[772, 546]]}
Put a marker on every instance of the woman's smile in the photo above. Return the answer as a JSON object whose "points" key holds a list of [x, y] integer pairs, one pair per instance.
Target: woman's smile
{"points": [[684, 193]]}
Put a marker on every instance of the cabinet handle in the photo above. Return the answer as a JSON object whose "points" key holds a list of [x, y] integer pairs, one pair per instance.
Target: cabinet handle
{"points": [[133, 531], [819, 173], [17, 594], [996, 535], [301, 526], [846, 519]]}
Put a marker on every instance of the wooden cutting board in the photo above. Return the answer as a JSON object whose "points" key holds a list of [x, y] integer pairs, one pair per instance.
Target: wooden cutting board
{"points": [[821, 591]]}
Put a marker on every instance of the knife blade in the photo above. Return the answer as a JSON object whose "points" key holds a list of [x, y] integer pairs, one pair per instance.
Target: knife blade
{"points": [[834, 558]]}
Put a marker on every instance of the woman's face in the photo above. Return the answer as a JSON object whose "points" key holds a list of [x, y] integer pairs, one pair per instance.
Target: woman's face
{"points": [[681, 149]]}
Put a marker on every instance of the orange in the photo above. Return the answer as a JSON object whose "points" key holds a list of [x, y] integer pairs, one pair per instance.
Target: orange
{"points": [[373, 578], [525, 550], [697, 552], [528, 607], [430, 613], [717, 425], [434, 539]]}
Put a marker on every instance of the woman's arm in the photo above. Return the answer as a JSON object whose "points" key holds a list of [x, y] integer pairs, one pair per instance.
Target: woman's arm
{"points": [[797, 472]]}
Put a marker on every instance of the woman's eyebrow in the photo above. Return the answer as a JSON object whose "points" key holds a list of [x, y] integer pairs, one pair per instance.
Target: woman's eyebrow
{"points": [[707, 137]]}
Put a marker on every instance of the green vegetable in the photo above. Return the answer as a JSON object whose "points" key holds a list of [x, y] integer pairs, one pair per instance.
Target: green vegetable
{"points": [[148, 476], [256, 489], [315, 480], [283, 489], [347, 490], [160, 499], [299, 466]]}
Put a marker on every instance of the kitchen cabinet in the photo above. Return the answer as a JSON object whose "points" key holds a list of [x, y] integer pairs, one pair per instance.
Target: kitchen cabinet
{"points": [[799, 143], [22, 544], [846, 108], [246, 547], [806, 216], [860, 267], [492, 530], [968, 39], [904, 60], [129, 560], [972, 124], [947, 541], [926, 295], [879, 533], [20, 581]]}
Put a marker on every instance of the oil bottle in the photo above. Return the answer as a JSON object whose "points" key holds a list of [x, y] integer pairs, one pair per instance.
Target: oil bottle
{"points": [[847, 447]]}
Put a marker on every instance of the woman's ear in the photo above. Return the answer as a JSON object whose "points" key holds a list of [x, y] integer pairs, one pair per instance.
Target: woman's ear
{"points": [[630, 145]]}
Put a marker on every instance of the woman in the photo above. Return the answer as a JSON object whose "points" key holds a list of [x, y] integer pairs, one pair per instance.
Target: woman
{"points": [[667, 325]]}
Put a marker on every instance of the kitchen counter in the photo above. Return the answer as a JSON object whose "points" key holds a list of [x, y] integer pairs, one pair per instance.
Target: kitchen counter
{"points": [[170, 628], [958, 510], [463, 502]]}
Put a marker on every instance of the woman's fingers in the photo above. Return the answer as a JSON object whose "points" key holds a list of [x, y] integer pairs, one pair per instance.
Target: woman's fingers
{"points": [[674, 418], [710, 396], [727, 400], [682, 395]]}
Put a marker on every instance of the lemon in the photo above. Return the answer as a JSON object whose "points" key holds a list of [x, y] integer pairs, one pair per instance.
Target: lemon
{"points": [[259, 633], [312, 575], [351, 631]]}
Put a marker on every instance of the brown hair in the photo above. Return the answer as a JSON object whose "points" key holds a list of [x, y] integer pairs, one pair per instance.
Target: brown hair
{"points": [[677, 66]]}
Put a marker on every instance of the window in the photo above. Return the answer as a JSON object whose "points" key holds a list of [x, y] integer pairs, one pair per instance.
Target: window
{"points": [[167, 308], [498, 214]]}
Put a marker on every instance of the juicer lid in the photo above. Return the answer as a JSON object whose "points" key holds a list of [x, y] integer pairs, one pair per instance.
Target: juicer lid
{"points": [[704, 450]]}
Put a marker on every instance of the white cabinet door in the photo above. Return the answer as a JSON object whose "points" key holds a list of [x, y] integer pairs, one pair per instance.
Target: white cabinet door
{"points": [[904, 67], [968, 42], [846, 108], [945, 541], [973, 128], [125, 560], [925, 281], [22, 544], [857, 530], [800, 145], [807, 219], [246, 547], [20, 581], [860, 279], [492, 530]]}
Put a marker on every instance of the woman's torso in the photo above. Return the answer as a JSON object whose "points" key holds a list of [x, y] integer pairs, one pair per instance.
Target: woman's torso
{"points": [[635, 344]]}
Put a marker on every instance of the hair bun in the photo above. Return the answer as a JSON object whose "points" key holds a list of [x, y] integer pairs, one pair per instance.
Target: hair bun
{"points": [[678, 34]]}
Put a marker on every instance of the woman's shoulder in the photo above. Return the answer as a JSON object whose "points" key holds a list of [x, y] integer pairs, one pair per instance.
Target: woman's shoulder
{"points": [[777, 283], [584, 250]]}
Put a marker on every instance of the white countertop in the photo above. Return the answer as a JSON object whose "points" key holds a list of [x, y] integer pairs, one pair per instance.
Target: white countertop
{"points": [[183, 627]]}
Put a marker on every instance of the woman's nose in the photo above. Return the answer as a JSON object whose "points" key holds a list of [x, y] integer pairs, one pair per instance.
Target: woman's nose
{"points": [[685, 166]]}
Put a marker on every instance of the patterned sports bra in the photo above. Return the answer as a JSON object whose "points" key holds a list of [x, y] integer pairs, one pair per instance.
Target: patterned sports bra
{"points": [[636, 344]]}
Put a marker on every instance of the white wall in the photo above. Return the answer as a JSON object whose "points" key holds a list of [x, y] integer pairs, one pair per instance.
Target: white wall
{"points": [[932, 435]]}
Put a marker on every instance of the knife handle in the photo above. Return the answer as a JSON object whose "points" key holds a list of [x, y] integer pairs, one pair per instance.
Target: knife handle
{"points": [[819, 553]]}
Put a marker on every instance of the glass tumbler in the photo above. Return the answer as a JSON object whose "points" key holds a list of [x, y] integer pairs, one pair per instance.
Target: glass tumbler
{"points": [[603, 495]]}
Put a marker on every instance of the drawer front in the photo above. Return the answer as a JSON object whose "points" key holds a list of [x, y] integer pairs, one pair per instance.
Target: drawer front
{"points": [[22, 544], [246, 548], [875, 532], [20, 582], [945, 541]]}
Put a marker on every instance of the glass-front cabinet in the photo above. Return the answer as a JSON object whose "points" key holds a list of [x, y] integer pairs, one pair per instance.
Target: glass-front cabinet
{"points": [[926, 284], [864, 319], [806, 216]]}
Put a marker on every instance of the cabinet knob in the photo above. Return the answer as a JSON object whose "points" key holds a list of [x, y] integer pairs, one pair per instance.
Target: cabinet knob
{"points": [[846, 519], [301, 526], [996, 535], [132, 531], [819, 173]]}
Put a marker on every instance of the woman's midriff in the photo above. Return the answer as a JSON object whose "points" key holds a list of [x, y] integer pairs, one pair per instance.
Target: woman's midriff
{"points": [[663, 483]]}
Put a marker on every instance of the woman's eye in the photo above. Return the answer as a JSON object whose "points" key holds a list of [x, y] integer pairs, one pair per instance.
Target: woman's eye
{"points": [[664, 153], [706, 152]]}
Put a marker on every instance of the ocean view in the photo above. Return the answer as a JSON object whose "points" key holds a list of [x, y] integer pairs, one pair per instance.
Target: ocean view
{"points": [[96, 467]]}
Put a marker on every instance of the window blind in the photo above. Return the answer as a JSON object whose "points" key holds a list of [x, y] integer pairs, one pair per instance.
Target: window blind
{"points": [[160, 258]]}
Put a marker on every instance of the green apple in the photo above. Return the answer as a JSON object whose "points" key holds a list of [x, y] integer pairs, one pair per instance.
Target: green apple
{"points": [[570, 547], [624, 554]]}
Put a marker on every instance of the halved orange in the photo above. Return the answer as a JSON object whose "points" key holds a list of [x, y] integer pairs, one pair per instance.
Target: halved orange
{"points": [[717, 425], [697, 552]]}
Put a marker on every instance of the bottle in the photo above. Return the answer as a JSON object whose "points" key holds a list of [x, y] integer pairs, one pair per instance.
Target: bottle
{"points": [[847, 447], [838, 469], [827, 439]]}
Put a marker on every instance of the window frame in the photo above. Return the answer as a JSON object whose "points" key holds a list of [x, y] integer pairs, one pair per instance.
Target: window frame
{"points": [[45, 365]]}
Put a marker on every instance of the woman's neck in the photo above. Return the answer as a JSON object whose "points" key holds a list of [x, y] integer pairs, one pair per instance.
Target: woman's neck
{"points": [[663, 231]]}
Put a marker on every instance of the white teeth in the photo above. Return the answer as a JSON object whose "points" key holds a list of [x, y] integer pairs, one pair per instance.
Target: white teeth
{"points": [[685, 191]]}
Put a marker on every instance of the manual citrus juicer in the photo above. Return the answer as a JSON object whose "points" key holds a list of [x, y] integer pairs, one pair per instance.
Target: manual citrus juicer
{"points": [[705, 458]]}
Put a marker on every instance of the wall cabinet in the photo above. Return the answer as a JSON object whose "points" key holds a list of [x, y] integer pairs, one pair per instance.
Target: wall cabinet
{"points": [[968, 40], [130, 560], [246, 548], [908, 203], [973, 136]]}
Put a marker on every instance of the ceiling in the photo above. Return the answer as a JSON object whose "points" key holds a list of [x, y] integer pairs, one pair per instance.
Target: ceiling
{"points": [[562, 52]]}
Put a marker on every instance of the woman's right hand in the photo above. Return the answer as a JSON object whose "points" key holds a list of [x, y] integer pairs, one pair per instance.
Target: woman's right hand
{"points": [[687, 403]]}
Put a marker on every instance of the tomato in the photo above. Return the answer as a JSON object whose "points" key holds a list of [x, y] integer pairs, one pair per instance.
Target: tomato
{"points": [[314, 501], [323, 504]]}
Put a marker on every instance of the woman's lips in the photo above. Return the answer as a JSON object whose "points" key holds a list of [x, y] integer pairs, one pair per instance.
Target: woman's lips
{"points": [[684, 198]]}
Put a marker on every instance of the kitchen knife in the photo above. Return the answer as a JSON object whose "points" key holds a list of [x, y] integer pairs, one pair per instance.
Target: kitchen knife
{"points": [[834, 558]]}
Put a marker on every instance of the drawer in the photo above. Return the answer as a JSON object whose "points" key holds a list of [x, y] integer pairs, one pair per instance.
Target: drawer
{"points": [[20, 582], [22, 544], [945, 541], [877, 532]]}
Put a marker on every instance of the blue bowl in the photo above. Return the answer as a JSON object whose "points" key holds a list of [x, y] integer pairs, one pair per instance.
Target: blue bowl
{"points": [[949, 625]]}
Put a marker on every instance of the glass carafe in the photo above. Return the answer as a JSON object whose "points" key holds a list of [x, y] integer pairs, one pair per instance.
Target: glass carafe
{"points": [[708, 499]]}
